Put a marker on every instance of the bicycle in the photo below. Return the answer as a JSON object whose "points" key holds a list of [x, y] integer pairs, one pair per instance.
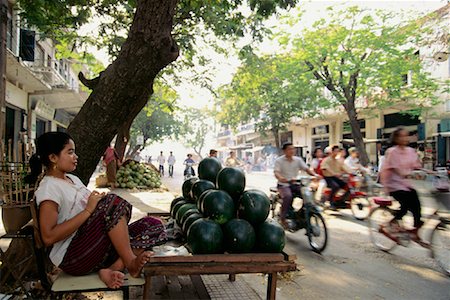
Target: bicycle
{"points": [[380, 218], [308, 216]]}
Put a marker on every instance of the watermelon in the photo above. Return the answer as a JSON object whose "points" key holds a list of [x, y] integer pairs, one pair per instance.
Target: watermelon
{"points": [[187, 214], [200, 186], [187, 186], [219, 206], [270, 237], [182, 210], [174, 201], [173, 211], [239, 236], [189, 220], [208, 169], [205, 237], [254, 206], [201, 198], [232, 181]]}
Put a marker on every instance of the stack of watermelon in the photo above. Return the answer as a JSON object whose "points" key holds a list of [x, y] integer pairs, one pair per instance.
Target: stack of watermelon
{"points": [[217, 215]]}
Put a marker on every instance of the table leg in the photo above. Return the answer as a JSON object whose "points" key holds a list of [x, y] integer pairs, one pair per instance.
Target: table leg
{"points": [[232, 277], [147, 287], [272, 286]]}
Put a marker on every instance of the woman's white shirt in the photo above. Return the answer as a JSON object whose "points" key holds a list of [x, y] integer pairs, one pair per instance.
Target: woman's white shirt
{"points": [[71, 199]]}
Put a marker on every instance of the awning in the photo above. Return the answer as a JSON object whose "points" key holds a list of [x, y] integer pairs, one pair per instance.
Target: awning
{"points": [[366, 141], [255, 149], [241, 147], [443, 134]]}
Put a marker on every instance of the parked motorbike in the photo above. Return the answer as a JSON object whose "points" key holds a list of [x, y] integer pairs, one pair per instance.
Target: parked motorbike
{"points": [[350, 197], [308, 216]]}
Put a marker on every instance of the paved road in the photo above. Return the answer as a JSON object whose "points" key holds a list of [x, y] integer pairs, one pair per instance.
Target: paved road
{"points": [[350, 267]]}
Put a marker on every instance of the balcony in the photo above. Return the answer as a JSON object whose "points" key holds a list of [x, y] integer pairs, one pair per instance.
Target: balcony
{"points": [[224, 134]]}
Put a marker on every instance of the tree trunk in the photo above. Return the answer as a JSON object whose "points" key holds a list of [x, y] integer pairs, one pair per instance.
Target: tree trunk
{"points": [[123, 137], [356, 131], [276, 135], [124, 88]]}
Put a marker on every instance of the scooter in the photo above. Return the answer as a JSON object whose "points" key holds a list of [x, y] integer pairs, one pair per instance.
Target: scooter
{"points": [[308, 216], [350, 197], [189, 171]]}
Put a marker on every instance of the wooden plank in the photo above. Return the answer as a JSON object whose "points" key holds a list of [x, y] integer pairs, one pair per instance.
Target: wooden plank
{"points": [[289, 257], [218, 268], [225, 258], [200, 287], [159, 288]]}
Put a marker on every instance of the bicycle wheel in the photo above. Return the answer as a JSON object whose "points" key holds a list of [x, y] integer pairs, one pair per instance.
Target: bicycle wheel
{"points": [[377, 217], [440, 246], [360, 207], [316, 229]]}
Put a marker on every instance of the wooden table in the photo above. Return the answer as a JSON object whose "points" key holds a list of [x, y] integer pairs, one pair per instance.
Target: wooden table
{"points": [[268, 263]]}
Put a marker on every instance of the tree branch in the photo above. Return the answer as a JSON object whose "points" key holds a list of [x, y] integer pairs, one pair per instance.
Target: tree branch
{"points": [[89, 83]]}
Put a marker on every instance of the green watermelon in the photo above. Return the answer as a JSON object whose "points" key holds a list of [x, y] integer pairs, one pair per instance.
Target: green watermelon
{"points": [[205, 237], [187, 186], [200, 186], [239, 236], [189, 212], [173, 211], [270, 237], [201, 198], [254, 206], [189, 220], [232, 181], [219, 206], [182, 210], [174, 201], [208, 169]]}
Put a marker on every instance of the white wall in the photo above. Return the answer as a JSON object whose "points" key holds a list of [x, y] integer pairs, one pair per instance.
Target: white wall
{"points": [[16, 96]]}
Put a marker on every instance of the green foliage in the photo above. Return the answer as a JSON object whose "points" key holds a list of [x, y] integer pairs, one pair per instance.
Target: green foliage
{"points": [[194, 128], [269, 90]]}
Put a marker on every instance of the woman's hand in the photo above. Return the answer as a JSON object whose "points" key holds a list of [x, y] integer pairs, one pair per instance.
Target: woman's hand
{"points": [[93, 200]]}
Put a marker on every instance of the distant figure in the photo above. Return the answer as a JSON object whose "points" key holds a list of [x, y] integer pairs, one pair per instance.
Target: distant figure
{"points": [[233, 161], [171, 162], [161, 160], [111, 162], [213, 153], [189, 170], [150, 159], [137, 156]]}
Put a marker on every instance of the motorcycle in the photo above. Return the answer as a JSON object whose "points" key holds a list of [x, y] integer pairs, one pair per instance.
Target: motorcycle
{"points": [[350, 197], [308, 216], [189, 171]]}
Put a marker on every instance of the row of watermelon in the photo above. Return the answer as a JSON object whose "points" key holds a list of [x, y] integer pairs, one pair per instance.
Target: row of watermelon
{"points": [[222, 217]]}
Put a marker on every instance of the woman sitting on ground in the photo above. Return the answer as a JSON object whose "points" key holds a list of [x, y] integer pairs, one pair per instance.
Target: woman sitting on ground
{"points": [[88, 232]]}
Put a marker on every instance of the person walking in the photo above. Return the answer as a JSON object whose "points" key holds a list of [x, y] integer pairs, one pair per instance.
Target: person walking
{"points": [[111, 162], [171, 161], [161, 160]]}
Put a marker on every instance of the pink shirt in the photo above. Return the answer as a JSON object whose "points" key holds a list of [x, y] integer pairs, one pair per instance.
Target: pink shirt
{"points": [[110, 155], [398, 163]]}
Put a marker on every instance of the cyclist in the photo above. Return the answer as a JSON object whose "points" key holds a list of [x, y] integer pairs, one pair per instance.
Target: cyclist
{"points": [[286, 170], [400, 160], [332, 169], [189, 170]]}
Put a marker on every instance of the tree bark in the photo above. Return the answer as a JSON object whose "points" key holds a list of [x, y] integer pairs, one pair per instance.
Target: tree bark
{"points": [[356, 131], [125, 86], [276, 135], [123, 137]]}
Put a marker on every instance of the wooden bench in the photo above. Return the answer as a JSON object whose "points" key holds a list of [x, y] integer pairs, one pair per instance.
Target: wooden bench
{"points": [[64, 282], [268, 263]]}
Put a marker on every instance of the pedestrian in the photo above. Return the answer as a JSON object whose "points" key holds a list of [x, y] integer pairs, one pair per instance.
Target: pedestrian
{"points": [[171, 162], [161, 160], [233, 161], [112, 162], [137, 156], [213, 153], [72, 218]]}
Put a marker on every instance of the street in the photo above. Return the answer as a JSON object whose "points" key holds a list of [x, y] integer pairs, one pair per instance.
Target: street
{"points": [[350, 267]]}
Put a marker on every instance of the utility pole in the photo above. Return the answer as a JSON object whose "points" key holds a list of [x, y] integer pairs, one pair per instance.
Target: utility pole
{"points": [[3, 29]]}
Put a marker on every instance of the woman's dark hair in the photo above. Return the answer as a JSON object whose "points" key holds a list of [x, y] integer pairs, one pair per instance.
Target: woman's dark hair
{"points": [[395, 134], [51, 143], [314, 155]]}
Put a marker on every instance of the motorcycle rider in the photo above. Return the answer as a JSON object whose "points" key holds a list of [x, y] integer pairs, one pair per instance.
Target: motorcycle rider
{"points": [[286, 171], [333, 168], [189, 162], [352, 161]]}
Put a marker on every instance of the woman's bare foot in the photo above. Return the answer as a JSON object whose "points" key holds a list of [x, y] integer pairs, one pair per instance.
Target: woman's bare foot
{"points": [[137, 263], [113, 279]]}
